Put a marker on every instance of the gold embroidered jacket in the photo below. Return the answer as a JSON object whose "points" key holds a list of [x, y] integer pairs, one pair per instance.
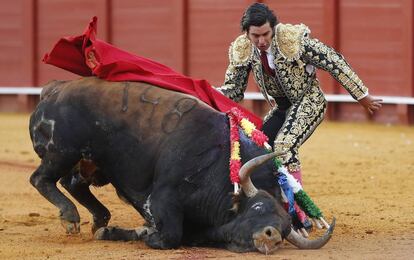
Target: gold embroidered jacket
{"points": [[295, 56]]}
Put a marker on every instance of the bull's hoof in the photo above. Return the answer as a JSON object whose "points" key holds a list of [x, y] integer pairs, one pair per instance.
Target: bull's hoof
{"points": [[102, 233], [71, 227], [115, 234], [97, 224], [96, 227], [144, 231]]}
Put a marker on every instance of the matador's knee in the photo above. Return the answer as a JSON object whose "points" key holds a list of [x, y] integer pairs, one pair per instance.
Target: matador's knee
{"points": [[285, 149]]}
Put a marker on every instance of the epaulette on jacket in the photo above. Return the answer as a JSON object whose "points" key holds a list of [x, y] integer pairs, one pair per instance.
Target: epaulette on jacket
{"points": [[289, 40], [241, 51]]}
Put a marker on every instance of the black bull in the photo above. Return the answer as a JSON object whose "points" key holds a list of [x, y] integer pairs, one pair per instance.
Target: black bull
{"points": [[167, 154]]}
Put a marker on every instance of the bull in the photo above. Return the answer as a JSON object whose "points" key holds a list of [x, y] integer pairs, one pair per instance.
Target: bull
{"points": [[166, 154]]}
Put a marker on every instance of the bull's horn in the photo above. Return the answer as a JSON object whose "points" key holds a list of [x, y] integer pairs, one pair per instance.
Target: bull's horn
{"points": [[302, 243], [248, 188]]}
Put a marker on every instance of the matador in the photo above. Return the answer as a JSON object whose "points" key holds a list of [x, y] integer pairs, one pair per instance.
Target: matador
{"points": [[284, 59]]}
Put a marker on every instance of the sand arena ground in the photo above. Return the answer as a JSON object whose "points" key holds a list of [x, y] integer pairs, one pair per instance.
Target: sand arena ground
{"points": [[363, 174]]}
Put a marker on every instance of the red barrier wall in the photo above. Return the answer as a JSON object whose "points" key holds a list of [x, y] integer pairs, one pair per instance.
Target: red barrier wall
{"points": [[193, 36]]}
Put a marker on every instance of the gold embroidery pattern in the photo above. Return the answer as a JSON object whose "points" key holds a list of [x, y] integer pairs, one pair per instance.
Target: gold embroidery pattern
{"points": [[237, 73], [243, 58], [326, 58], [235, 82], [293, 77], [290, 65], [293, 167], [240, 51], [273, 89], [301, 120], [290, 40]]}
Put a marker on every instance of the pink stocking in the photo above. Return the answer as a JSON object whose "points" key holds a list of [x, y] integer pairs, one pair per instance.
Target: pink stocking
{"points": [[301, 215], [297, 175]]}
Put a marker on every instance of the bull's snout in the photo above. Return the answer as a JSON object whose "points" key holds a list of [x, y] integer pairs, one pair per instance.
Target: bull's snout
{"points": [[267, 240]]}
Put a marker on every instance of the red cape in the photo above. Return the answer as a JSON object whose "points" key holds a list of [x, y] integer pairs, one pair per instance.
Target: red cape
{"points": [[87, 56]]}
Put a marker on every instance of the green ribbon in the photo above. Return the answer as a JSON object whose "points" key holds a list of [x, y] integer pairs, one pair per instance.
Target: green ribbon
{"points": [[307, 205]]}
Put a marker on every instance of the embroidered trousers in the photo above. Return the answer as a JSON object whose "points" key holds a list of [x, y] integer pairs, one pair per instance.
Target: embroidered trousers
{"points": [[289, 127]]}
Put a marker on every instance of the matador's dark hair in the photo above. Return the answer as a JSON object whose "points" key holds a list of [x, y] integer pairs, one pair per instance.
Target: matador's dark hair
{"points": [[257, 14]]}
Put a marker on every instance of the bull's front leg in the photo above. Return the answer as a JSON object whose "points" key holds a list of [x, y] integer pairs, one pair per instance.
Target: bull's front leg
{"points": [[164, 213], [163, 229], [44, 180], [121, 234], [79, 189]]}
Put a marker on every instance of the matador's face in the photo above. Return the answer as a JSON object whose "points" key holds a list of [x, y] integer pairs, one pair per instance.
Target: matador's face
{"points": [[260, 36]]}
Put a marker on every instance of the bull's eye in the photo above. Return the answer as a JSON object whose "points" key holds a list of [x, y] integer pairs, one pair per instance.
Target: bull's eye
{"points": [[258, 206]]}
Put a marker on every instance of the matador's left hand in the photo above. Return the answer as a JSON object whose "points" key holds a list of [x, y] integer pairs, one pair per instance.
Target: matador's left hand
{"points": [[370, 104]]}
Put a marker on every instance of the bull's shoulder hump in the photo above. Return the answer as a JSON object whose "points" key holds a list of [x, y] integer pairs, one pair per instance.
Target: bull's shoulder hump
{"points": [[51, 87]]}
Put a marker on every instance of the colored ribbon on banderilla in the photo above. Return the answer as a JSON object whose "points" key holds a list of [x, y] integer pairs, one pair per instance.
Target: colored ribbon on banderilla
{"points": [[291, 188]]}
